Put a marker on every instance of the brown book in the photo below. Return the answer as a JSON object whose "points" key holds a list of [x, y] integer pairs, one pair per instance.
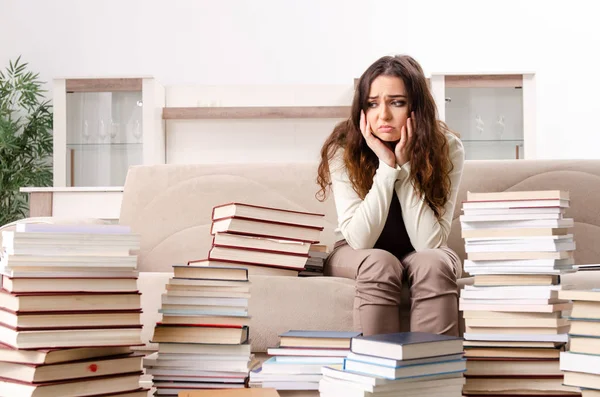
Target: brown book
{"points": [[279, 231], [585, 327], [64, 338], [584, 345], [113, 385], [254, 269], [22, 284], [257, 257], [54, 356], [512, 367], [101, 366], [206, 320], [580, 295], [517, 331], [194, 333], [583, 380], [586, 310], [59, 302], [263, 244], [256, 392], [508, 352], [269, 214], [492, 280], [210, 272], [514, 232], [70, 320], [513, 344]]}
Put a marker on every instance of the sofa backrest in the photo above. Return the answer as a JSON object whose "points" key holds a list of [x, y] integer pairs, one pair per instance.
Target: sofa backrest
{"points": [[171, 205]]}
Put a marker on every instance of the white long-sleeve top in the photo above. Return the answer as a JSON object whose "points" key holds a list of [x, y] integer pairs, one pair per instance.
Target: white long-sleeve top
{"points": [[360, 221]]}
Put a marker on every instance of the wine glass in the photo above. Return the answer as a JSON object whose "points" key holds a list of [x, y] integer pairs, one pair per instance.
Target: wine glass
{"points": [[114, 130], [137, 131]]}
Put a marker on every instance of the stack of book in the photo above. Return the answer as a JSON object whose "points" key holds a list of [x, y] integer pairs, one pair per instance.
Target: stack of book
{"points": [[296, 363], [69, 311], [203, 337], [266, 241], [316, 261], [517, 244], [410, 364], [582, 362]]}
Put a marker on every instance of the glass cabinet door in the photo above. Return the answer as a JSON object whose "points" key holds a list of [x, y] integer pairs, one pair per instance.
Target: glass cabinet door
{"points": [[104, 136], [488, 119]]}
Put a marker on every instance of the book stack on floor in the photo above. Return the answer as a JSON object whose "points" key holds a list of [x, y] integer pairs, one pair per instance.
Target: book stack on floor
{"points": [[296, 363], [517, 244], [582, 362], [70, 311], [316, 261], [266, 241], [410, 364], [203, 337]]}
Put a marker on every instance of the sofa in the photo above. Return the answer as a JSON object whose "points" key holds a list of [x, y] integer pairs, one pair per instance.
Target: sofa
{"points": [[171, 205]]}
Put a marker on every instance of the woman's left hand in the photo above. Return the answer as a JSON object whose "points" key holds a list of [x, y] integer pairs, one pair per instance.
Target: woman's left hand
{"points": [[401, 149]]}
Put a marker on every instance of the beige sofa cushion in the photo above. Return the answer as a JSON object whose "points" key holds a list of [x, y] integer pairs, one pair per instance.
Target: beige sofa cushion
{"points": [[171, 205], [581, 178], [277, 304]]}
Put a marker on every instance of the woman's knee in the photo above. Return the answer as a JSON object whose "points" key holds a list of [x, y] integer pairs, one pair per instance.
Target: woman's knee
{"points": [[380, 265], [431, 264]]}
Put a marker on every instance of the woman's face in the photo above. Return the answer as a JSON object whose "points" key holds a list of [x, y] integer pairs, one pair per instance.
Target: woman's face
{"points": [[387, 108]]}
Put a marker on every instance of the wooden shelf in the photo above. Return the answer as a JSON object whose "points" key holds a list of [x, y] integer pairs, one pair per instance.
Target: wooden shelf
{"points": [[103, 85], [484, 81], [263, 112]]}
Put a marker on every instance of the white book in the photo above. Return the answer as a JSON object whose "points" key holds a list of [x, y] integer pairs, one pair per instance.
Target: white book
{"points": [[17, 261], [369, 382], [72, 228], [517, 308], [542, 223], [521, 263], [511, 211], [203, 301], [516, 204], [507, 217], [417, 385], [576, 362], [436, 388], [287, 351], [504, 301], [527, 247], [481, 270], [522, 293], [291, 385], [518, 240]]}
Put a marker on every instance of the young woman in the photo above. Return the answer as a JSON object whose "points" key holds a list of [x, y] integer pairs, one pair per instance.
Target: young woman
{"points": [[394, 170]]}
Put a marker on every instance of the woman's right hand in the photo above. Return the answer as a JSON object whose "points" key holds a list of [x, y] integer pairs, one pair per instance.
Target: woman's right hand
{"points": [[384, 153]]}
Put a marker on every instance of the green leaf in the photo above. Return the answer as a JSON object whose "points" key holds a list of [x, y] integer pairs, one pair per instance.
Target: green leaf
{"points": [[26, 140]]}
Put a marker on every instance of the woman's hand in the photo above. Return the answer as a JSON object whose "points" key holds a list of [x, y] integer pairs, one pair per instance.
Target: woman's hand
{"points": [[401, 149], [384, 153]]}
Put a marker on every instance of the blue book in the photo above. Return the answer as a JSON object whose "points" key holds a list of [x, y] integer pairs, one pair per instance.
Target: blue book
{"points": [[407, 345]]}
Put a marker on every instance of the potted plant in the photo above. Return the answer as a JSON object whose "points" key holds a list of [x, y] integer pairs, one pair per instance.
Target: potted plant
{"points": [[25, 139]]}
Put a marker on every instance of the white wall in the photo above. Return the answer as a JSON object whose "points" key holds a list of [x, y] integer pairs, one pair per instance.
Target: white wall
{"points": [[324, 42]]}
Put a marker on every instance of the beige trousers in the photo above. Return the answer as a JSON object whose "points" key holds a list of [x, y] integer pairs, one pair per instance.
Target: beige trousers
{"points": [[430, 274]]}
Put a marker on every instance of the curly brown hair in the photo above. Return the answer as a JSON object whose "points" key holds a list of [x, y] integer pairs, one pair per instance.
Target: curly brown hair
{"points": [[430, 163]]}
